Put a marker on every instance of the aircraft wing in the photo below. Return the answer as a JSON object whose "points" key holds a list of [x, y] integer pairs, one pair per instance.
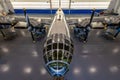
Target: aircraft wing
{"points": [[21, 22], [99, 20], [82, 26], [35, 20]]}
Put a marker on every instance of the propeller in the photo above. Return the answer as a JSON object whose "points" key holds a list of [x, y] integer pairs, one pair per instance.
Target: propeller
{"points": [[29, 25], [93, 12], [117, 34], [88, 26], [82, 31]]}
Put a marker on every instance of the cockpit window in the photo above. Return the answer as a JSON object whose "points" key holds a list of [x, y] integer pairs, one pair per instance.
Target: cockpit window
{"points": [[55, 46], [49, 55], [50, 58], [66, 41], [65, 57], [60, 45], [70, 59], [49, 47], [45, 58], [60, 55], [53, 64], [55, 55], [72, 45], [66, 47], [71, 50], [49, 41]]}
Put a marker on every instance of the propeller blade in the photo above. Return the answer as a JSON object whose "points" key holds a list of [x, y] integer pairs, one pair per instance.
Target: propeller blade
{"points": [[27, 19], [24, 12], [116, 34], [86, 37], [33, 39], [93, 12], [3, 34], [89, 24]]}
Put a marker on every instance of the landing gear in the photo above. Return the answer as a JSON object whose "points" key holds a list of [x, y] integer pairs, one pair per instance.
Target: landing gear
{"points": [[33, 39]]}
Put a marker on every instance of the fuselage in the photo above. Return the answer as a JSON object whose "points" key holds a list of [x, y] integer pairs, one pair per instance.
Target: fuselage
{"points": [[58, 48], [59, 24]]}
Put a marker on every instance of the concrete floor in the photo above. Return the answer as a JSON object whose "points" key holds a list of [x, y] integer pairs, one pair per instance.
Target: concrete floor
{"points": [[98, 59]]}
